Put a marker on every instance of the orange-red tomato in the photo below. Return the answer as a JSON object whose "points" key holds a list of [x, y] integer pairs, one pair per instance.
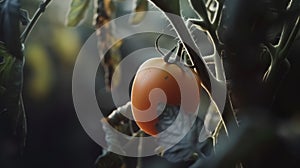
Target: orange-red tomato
{"points": [[156, 74]]}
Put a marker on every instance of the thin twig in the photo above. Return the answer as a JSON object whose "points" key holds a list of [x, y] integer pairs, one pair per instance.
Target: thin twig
{"points": [[217, 109], [216, 133], [34, 19]]}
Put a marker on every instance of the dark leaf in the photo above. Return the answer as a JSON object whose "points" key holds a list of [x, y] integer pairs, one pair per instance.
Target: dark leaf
{"points": [[188, 148], [116, 121], [12, 115], [109, 160], [9, 26], [24, 17]]}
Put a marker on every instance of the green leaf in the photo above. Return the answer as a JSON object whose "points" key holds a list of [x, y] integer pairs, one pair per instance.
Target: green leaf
{"points": [[140, 6], [76, 12], [12, 114]]}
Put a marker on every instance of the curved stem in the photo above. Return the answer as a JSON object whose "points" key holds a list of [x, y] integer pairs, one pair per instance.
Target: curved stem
{"points": [[218, 111], [191, 48]]}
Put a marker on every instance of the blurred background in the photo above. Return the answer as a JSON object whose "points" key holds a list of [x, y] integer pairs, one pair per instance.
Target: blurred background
{"points": [[55, 137]]}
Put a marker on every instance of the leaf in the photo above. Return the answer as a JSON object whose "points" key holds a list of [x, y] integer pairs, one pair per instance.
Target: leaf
{"points": [[140, 6], [109, 160], [10, 27], [12, 115], [77, 10], [189, 147], [24, 17], [116, 121]]}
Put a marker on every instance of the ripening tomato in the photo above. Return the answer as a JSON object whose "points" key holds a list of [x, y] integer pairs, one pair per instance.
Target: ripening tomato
{"points": [[159, 82]]}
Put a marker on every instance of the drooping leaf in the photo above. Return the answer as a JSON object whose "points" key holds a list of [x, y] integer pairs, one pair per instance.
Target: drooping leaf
{"points": [[112, 139], [116, 121], [77, 11], [140, 6], [12, 115], [10, 26], [189, 147]]}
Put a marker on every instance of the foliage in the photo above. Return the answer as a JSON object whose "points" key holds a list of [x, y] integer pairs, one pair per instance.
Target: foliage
{"points": [[188, 148], [253, 39], [13, 127], [109, 160], [77, 11], [12, 116]]}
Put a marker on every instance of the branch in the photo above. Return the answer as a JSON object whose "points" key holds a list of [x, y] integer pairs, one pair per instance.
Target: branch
{"points": [[35, 18], [279, 52]]}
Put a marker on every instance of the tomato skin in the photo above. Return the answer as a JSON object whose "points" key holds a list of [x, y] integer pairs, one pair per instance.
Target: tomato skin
{"points": [[154, 83]]}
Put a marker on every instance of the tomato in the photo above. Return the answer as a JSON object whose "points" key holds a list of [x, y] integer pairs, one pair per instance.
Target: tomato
{"points": [[159, 82]]}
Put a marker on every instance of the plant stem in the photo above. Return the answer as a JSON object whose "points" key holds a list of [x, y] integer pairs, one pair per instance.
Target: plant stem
{"points": [[191, 48], [34, 19]]}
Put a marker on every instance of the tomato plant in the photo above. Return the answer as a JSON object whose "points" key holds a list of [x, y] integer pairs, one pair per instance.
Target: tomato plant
{"points": [[251, 41], [251, 49]]}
